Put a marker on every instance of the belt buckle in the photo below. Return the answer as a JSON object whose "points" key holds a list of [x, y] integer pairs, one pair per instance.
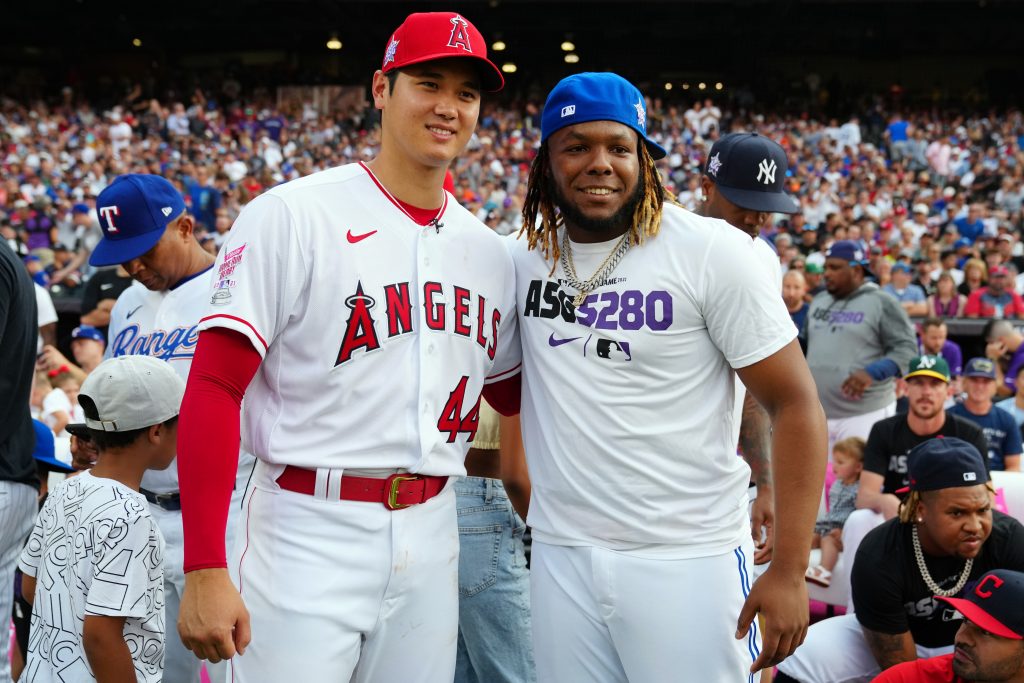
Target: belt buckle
{"points": [[391, 491]]}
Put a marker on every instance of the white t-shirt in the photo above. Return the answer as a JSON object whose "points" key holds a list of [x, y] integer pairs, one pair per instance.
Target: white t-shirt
{"points": [[628, 400], [46, 312], [377, 334], [95, 550], [56, 401]]}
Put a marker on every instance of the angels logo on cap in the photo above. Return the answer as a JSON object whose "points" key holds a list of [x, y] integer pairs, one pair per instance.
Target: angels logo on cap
{"points": [[426, 36]]}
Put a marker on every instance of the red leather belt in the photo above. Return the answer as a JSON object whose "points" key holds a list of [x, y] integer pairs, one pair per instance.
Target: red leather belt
{"points": [[396, 492]]}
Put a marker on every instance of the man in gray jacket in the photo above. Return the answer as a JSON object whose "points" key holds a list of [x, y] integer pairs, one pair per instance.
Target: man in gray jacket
{"points": [[857, 340]]}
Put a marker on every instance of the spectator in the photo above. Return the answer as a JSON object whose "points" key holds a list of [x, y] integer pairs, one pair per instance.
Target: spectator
{"points": [[794, 291], [18, 481], [1001, 431], [111, 623], [995, 300], [910, 296], [100, 294], [974, 276], [935, 342], [903, 564], [1003, 344], [813, 275], [923, 274], [87, 347], [1015, 404], [971, 226], [946, 302], [989, 643], [847, 463], [858, 340], [47, 317], [892, 440]]}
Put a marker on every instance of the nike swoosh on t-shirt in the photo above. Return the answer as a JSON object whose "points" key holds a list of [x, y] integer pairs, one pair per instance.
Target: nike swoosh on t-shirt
{"points": [[558, 342]]}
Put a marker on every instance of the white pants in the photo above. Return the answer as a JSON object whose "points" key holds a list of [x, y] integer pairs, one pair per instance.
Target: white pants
{"points": [[18, 506], [836, 651], [840, 428], [341, 591], [180, 665], [601, 616]]}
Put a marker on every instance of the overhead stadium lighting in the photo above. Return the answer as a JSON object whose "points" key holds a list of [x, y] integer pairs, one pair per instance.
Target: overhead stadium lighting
{"points": [[572, 58], [568, 46], [498, 46], [334, 43], [508, 67]]}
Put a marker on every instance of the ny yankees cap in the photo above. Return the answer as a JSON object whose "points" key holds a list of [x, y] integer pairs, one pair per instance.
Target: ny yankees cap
{"points": [[87, 332], [425, 36], [133, 212], [750, 171], [928, 366], [131, 392], [944, 463], [995, 603], [605, 96], [980, 367]]}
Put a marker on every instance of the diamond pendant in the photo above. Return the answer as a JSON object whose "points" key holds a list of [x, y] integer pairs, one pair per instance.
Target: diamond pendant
{"points": [[578, 299]]}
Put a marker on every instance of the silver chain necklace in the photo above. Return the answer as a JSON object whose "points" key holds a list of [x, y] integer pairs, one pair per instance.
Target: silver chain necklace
{"points": [[603, 271], [929, 581]]}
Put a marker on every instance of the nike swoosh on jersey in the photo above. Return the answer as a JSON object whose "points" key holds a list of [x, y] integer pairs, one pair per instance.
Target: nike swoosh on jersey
{"points": [[558, 342], [132, 312], [352, 239]]}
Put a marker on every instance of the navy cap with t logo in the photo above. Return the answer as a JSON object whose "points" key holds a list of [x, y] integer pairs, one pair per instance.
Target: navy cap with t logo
{"points": [[750, 171]]}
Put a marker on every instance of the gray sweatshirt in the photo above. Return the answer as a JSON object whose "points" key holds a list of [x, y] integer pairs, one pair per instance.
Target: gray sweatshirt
{"points": [[844, 335]]}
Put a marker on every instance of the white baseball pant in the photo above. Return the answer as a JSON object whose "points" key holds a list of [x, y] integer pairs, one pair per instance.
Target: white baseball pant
{"points": [[602, 616], [179, 663], [342, 590], [18, 507], [835, 651]]}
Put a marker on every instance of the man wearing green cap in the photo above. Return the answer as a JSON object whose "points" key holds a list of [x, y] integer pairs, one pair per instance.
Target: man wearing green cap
{"points": [[886, 455], [636, 317]]}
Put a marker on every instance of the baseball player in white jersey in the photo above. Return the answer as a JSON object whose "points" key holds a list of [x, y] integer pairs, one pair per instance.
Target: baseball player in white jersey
{"points": [[147, 230], [633, 316], [360, 310], [743, 184]]}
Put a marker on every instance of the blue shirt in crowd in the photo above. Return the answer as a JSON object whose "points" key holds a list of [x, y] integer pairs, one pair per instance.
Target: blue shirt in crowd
{"points": [[1000, 429]]}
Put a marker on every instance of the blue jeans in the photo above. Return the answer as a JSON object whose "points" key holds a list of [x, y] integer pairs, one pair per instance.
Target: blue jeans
{"points": [[494, 587]]}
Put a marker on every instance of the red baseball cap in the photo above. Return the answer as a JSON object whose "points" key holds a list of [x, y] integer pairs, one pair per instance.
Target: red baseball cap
{"points": [[426, 36]]}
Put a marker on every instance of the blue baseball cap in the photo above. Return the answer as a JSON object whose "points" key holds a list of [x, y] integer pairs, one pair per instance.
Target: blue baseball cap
{"points": [[80, 208], [980, 367], [750, 171], [588, 96], [134, 210], [45, 451], [87, 332], [850, 251], [901, 267]]}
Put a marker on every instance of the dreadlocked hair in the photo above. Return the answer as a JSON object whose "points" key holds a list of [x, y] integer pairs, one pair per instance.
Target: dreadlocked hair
{"points": [[539, 202], [908, 507]]}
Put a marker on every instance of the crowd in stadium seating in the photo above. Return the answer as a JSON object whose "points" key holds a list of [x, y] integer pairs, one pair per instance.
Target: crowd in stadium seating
{"points": [[930, 191]]}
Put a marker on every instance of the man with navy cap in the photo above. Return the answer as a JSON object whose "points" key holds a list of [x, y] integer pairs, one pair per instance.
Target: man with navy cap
{"points": [[743, 184], [858, 340], [946, 539], [989, 644], [148, 232], [642, 545]]}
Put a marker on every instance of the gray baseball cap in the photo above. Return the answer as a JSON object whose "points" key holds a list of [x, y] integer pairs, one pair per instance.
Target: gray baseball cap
{"points": [[132, 392]]}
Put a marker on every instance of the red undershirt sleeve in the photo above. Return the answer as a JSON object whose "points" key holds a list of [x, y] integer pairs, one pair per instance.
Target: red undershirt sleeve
{"points": [[224, 363], [504, 396]]}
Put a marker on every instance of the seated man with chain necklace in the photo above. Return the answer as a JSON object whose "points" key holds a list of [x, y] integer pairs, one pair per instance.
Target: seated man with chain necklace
{"points": [[945, 539]]}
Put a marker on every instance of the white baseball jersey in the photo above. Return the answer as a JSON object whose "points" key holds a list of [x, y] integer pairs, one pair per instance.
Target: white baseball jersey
{"points": [[162, 325], [377, 334], [628, 400]]}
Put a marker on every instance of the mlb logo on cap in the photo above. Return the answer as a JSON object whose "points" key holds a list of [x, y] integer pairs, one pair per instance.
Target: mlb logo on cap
{"points": [[426, 36]]}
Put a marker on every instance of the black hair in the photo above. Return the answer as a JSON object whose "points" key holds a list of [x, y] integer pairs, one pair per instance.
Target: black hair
{"points": [[392, 76], [106, 441]]}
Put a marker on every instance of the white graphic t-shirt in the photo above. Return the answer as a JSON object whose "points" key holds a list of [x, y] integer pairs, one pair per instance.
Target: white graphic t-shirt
{"points": [[95, 551]]}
